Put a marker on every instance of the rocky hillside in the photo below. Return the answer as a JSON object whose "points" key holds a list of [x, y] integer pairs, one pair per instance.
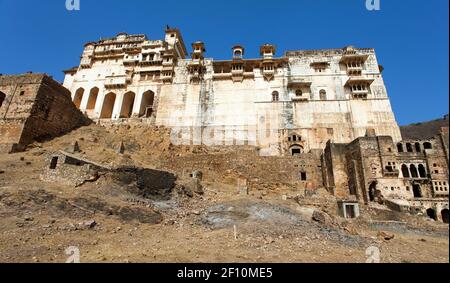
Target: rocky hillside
{"points": [[424, 130]]}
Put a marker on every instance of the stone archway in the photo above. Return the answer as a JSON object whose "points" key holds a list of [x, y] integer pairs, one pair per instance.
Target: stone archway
{"points": [[372, 191], [93, 95], [431, 213], [444, 215], [413, 170], [422, 171], [2, 98], [78, 98], [108, 106], [417, 191], [405, 171], [127, 105], [147, 101]]}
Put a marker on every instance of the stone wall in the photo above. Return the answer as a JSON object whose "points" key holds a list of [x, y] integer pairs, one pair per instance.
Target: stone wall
{"points": [[257, 170], [406, 174], [35, 107], [66, 168]]}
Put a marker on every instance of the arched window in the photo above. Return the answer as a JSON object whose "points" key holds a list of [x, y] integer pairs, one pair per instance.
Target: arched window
{"points": [[298, 92], [275, 96], [296, 150], [409, 147], [427, 145], [2, 98], [431, 213], [405, 171], [323, 95], [418, 147], [400, 147], [146, 109], [414, 172], [422, 171]]}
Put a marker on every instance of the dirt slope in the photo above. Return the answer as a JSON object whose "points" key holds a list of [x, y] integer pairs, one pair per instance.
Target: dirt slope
{"points": [[109, 222]]}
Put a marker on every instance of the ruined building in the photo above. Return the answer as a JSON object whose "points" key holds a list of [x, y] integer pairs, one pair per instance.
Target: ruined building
{"points": [[284, 105], [33, 107], [410, 175]]}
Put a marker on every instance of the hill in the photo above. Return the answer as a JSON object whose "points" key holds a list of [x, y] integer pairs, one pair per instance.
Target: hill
{"points": [[424, 130]]}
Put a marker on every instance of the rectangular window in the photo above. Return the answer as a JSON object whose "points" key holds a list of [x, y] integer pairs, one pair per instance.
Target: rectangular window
{"points": [[303, 176], [54, 163]]}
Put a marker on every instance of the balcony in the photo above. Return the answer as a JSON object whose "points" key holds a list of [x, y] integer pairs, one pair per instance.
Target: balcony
{"points": [[359, 87], [354, 57], [149, 68], [115, 81], [440, 192], [153, 43], [297, 82], [354, 71], [195, 76], [130, 60], [132, 49], [167, 63], [300, 99], [220, 76], [391, 172], [360, 94], [86, 62], [150, 62]]}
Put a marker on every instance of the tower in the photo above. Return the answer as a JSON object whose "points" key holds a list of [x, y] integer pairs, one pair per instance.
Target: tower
{"points": [[268, 66], [196, 67]]}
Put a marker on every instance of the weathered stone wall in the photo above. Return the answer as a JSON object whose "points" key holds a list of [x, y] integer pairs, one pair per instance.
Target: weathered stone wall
{"points": [[247, 164], [407, 173], [35, 107], [63, 168], [335, 166]]}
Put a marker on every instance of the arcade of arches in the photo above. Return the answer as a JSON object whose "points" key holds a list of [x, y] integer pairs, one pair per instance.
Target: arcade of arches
{"points": [[146, 107]]}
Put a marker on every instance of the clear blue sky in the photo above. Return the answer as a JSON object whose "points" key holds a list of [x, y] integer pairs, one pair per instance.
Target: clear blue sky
{"points": [[410, 36]]}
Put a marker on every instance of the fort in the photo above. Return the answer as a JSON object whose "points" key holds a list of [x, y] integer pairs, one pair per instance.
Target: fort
{"points": [[313, 119], [286, 104]]}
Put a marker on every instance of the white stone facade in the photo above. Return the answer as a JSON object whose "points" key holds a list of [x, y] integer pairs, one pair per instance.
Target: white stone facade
{"points": [[284, 105]]}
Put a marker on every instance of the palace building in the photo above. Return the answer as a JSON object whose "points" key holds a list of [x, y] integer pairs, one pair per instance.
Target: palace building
{"points": [[285, 105]]}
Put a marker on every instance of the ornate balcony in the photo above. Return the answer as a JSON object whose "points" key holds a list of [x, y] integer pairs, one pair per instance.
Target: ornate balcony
{"points": [[115, 81]]}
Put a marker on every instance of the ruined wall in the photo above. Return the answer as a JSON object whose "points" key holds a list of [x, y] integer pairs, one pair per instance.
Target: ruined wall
{"points": [[335, 167], [63, 168], [20, 94], [53, 113], [411, 174], [247, 164], [35, 107]]}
